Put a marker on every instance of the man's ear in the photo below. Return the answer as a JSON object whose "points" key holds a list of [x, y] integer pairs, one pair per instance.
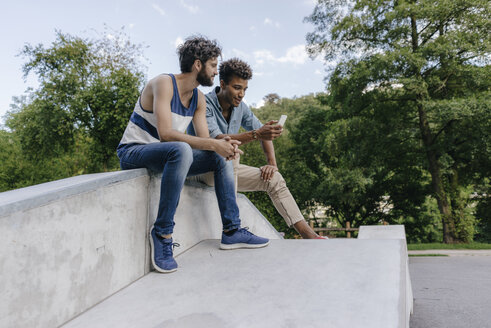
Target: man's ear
{"points": [[222, 84], [198, 65]]}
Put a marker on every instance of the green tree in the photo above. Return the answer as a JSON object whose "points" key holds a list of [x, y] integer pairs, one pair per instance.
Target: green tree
{"points": [[332, 167], [271, 98], [415, 72], [19, 169], [483, 211], [11, 167], [87, 90]]}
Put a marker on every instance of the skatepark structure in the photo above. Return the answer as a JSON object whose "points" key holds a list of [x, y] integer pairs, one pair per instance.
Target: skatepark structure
{"points": [[75, 253]]}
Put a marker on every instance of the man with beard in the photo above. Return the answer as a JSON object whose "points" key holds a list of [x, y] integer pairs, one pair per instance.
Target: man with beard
{"points": [[155, 139], [226, 113]]}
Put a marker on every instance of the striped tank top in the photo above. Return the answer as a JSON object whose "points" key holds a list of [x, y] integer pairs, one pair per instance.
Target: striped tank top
{"points": [[142, 127]]}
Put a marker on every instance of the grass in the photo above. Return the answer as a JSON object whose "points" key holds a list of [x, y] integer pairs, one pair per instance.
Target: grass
{"points": [[417, 255], [420, 247]]}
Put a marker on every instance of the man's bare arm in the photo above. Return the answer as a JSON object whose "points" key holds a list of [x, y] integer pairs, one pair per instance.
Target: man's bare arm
{"points": [[268, 170], [162, 95], [268, 149]]}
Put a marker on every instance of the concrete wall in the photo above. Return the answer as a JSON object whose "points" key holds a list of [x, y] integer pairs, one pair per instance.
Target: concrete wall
{"points": [[67, 245], [395, 232]]}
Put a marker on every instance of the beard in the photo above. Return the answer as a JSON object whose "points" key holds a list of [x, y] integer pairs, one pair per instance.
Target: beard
{"points": [[203, 79]]}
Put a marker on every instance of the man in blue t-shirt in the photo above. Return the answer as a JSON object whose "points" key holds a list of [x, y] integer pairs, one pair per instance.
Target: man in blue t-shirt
{"points": [[225, 114]]}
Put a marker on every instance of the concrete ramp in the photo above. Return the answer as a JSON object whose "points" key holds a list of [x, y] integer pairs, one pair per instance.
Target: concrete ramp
{"points": [[291, 283], [79, 247]]}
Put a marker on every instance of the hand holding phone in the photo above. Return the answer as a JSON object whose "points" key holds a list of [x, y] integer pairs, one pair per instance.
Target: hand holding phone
{"points": [[271, 130], [282, 120]]}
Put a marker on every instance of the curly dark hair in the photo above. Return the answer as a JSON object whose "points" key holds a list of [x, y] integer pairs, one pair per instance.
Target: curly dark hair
{"points": [[197, 47], [234, 66]]}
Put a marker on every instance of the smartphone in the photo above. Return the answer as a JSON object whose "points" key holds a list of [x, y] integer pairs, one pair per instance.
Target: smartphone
{"points": [[282, 120]]}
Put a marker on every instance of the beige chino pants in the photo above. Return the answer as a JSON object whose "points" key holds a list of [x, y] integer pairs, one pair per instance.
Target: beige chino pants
{"points": [[248, 178]]}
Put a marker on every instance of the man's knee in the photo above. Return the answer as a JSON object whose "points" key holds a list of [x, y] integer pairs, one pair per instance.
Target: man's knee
{"points": [[219, 161], [182, 152], [277, 177], [276, 182]]}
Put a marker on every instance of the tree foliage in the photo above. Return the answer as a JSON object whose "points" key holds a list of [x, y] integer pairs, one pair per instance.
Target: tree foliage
{"points": [[411, 96], [271, 98], [87, 91]]}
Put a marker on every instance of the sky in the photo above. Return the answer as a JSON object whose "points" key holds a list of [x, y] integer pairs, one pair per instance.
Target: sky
{"points": [[268, 34]]}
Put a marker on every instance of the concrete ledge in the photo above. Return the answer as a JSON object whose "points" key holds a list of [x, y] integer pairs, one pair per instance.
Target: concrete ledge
{"points": [[394, 232], [71, 246], [68, 244], [34, 196], [382, 232]]}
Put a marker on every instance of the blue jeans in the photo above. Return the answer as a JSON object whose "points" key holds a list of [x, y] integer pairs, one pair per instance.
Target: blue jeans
{"points": [[176, 161]]}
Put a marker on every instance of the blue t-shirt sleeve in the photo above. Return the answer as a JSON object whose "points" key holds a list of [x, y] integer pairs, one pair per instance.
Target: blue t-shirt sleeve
{"points": [[213, 127], [249, 120]]}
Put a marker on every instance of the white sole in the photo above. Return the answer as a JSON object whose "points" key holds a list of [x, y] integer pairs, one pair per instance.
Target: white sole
{"points": [[153, 258], [242, 245]]}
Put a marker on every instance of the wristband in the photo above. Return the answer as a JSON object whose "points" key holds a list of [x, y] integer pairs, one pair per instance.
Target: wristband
{"points": [[254, 134]]}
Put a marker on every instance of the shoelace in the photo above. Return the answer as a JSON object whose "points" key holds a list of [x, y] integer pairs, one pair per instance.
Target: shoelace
{"points": [[245, 231], [168, 250]]}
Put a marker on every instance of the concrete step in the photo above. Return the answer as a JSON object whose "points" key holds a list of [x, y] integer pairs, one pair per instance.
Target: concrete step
{"points": [[291, 283]]}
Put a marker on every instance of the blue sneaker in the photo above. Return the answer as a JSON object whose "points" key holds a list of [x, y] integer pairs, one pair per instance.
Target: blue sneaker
{"points": [[242, 238], [162, 258]]}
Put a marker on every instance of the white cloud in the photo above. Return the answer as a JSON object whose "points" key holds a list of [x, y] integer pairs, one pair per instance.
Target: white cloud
{"points": [[192, 9], [131, 25], [258, 73], [240, 54], [318, 72], [158, 9], [178, 41], [270, 22], [260, 103], [262, 56], [110, 36], [252, 28], [294, 55], [310, 3]]}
